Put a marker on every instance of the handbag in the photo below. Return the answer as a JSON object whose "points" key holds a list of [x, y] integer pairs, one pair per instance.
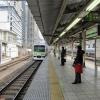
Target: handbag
{"points": [[78, 68]]}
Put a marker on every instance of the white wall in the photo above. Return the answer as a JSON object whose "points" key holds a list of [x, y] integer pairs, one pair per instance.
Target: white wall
{"points": [[4, 20], [12, 50]]}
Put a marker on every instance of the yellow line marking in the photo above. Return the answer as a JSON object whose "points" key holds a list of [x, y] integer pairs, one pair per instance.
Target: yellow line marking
{"points": [[56, 93]]}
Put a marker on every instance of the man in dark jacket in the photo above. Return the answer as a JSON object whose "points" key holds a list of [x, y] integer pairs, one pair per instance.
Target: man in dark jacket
{"points": [[63, 54], [78, 63]]}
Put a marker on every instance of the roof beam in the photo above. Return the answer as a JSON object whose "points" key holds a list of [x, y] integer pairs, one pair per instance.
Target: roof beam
{"points": [[49, 35], [63, 7], [38, 4], [62, 11], [61, 25], [82, 27], [90, 6], [74, 7], [74, 10]]}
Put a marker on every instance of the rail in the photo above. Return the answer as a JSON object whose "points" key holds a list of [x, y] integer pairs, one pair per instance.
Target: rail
{"points": [[13, 88]]}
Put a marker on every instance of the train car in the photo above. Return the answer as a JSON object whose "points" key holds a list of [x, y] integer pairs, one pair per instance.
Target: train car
{"points": [[39, 52], [90, 52]]}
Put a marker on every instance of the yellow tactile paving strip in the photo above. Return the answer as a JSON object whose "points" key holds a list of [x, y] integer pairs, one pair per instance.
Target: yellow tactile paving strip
{"points": [[56, 93]]}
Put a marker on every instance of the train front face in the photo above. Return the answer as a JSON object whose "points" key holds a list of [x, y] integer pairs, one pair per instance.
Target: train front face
{"points": [[39, 52]]}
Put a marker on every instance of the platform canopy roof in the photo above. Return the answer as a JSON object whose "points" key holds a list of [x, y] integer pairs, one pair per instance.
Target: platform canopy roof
{"points": [[54, 16]]}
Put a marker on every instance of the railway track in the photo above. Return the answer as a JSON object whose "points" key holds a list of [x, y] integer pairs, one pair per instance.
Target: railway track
{"points": [[12, 90]]}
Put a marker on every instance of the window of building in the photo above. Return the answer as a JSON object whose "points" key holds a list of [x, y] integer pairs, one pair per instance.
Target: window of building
{"points": [[10, 28], [10, 23], [10, 18], [14, 3]]}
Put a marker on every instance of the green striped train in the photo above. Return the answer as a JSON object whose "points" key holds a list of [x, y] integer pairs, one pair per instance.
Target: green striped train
{"points": [[39, 52]]}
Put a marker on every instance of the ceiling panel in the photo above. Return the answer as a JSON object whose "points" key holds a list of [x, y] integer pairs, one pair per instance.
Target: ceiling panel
{"points": [[46, 13], [47, 10]]}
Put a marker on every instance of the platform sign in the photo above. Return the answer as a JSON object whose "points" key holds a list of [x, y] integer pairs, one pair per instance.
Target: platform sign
{"points": [[92, 17], [89, 17], [92, 32]]}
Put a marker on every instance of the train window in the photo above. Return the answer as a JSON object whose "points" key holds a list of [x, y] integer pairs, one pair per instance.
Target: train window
{"points": [[39, 48]]}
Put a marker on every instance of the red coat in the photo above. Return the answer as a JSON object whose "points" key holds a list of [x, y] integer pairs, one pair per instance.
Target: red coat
{"points": [[78, 68]]}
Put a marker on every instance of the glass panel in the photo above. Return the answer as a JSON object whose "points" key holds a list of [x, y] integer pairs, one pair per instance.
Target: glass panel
{"points": [[90, 54], [90, 49], [39, 48]]}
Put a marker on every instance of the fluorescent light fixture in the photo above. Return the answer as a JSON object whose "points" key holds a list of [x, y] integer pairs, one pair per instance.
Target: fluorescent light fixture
{"points": [[83, 14], [70, 26], [73, 23], [55, 40], [90, 7], [93, 5], [62, 34]]}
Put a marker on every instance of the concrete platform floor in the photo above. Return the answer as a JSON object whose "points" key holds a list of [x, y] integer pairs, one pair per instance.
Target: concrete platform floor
{"points": [[88, 90], [54, 82]]}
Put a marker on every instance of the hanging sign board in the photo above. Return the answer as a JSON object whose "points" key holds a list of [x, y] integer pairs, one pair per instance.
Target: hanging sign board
{"points": [[92, 32]]}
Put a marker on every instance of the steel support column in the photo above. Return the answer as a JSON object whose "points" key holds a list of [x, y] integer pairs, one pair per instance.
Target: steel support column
{"points": [[72, 44], [84, 45], [96, 69]]}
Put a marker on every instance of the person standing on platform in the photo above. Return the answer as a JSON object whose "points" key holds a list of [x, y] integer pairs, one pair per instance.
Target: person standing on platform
{"points": [[78, 65], [54, 51], [63, 54]]}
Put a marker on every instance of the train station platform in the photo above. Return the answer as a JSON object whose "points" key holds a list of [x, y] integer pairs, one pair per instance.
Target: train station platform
{"points": [[54, 82]]}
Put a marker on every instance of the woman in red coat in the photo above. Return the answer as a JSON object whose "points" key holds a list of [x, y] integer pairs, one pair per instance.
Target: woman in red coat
{"points": [[78, 62]]}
